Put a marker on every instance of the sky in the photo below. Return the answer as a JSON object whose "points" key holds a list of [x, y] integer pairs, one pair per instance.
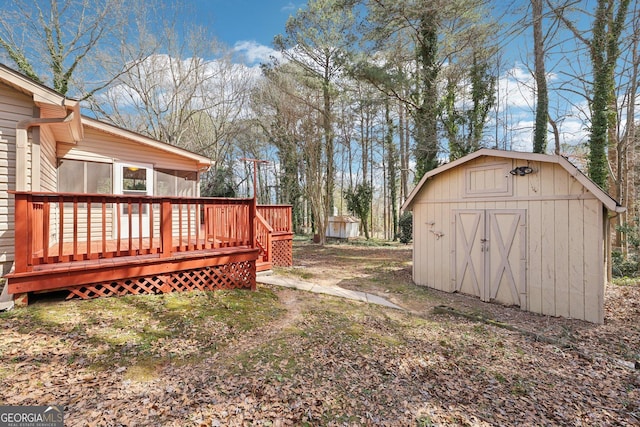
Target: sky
{"points": [[246, 25]]}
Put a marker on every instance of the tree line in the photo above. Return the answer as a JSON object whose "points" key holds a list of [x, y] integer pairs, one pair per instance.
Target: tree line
{"points": [[360, 99]]}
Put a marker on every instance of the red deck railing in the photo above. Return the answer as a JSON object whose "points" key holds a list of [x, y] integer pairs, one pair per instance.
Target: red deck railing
{"points": [[277, 216], [274, 236], [55, 228], [264, 233]]}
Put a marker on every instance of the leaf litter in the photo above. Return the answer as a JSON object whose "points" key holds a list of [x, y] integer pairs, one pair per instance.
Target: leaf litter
{"points": [[280, 357]]}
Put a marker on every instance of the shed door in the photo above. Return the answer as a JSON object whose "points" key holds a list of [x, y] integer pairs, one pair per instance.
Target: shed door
{"points": [[490, 254]]}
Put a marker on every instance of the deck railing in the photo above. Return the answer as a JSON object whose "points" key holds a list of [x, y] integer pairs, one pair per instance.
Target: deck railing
{"points": [[277, 216], [264, 232], [55, 228]]}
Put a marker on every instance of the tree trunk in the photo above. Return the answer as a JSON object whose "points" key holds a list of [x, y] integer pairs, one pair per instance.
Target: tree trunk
{"points": [[392, 180], [328, 143], [542, 96], [426, 115]]}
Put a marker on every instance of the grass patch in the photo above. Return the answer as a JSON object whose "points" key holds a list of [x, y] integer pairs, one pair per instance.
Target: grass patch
{"points": [[143, 370], [144, 331], [626, 281], [294, 271], [236, 356]]}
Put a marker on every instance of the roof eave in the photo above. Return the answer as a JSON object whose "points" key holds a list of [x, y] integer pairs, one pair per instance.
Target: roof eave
{"points": [[202, 162]]}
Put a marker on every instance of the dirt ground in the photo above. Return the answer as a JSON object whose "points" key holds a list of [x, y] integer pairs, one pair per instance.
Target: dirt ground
{"points": [[279, 357], [386, 271]]}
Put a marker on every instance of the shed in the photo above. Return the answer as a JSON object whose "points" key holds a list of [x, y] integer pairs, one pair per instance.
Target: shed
{"points": [[343, 227], [521, 229]]}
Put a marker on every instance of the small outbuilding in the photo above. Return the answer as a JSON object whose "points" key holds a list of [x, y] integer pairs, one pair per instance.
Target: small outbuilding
{"points": [[520, 229], [343, 227]]}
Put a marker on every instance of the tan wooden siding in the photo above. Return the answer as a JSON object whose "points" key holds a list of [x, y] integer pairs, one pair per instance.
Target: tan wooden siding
{"points": [[564, 235], [14, 107], [102, 147]]}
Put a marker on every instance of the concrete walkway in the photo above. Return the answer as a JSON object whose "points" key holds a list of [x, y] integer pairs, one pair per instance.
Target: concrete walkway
{"points": [[295, 283]]}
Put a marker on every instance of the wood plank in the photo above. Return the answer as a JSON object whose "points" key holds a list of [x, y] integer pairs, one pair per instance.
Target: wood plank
{"points": [[22, 246], [593, 262], [419, 268], [535, 253], [561, 261], [436, 278], [547, 267], [576, 260]]}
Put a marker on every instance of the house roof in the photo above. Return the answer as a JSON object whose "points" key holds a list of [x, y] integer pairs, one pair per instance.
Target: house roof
{"points": [[29, 86], [52, 104], [344, 218], [202, 161], [600, 194]]}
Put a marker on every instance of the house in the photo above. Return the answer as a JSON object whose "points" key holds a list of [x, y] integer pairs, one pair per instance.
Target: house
{"points": [[521, 229], [97, 210]]}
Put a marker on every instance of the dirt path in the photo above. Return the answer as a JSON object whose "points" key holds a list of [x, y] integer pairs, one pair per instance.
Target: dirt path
{"points": [[292, 303]]}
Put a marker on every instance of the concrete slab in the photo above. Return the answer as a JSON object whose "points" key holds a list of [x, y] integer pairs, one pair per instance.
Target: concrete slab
{"points": [[295, 283]]}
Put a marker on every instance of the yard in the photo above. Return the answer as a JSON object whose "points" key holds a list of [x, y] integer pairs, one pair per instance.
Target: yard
{"points": [[283, 357]]}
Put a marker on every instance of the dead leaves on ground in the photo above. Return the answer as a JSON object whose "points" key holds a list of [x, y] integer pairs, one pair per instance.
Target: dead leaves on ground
{"points": [[315, 360]]}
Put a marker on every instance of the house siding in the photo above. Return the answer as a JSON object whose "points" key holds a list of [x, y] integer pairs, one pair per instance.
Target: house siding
{"points": [[14, 107], [564, 233], [98, 146]]}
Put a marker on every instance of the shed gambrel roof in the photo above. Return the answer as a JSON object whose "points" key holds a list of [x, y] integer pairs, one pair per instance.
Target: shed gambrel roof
{"points": [[571, 169]]}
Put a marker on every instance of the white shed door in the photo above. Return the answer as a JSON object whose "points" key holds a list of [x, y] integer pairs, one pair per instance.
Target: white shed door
{"points": [[490, 254]]}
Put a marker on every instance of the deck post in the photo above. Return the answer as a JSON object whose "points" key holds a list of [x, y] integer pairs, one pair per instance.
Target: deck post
{"points": [[166, 228], [252, 223], [22, 245], [253, 208]]}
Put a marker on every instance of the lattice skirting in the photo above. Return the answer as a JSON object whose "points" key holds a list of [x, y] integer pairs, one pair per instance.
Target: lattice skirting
{"points": [[238, 275], [282, 251]]}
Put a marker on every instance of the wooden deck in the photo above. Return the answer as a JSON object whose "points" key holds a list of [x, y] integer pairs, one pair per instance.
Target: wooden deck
{"points": [[102, 245]]}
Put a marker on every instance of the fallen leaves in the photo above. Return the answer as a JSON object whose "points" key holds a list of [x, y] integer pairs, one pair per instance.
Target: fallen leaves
{"points": [[305, 359]]}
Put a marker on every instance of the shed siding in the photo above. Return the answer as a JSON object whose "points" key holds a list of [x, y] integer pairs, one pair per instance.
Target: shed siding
{"points": [[564, 231], [14, 107], [102, 147]]}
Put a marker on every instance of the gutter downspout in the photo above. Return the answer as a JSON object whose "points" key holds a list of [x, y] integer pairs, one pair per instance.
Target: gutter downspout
{"points": [[22, 142]]}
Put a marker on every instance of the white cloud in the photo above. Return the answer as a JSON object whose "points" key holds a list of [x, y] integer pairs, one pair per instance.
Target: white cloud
{"points": [[255, 52], [288, 7]]}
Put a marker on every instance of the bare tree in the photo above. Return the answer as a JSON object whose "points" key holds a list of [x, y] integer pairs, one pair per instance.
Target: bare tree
{"points": [[603, 42], [57, 42], [278, 106], [193, 96]]}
